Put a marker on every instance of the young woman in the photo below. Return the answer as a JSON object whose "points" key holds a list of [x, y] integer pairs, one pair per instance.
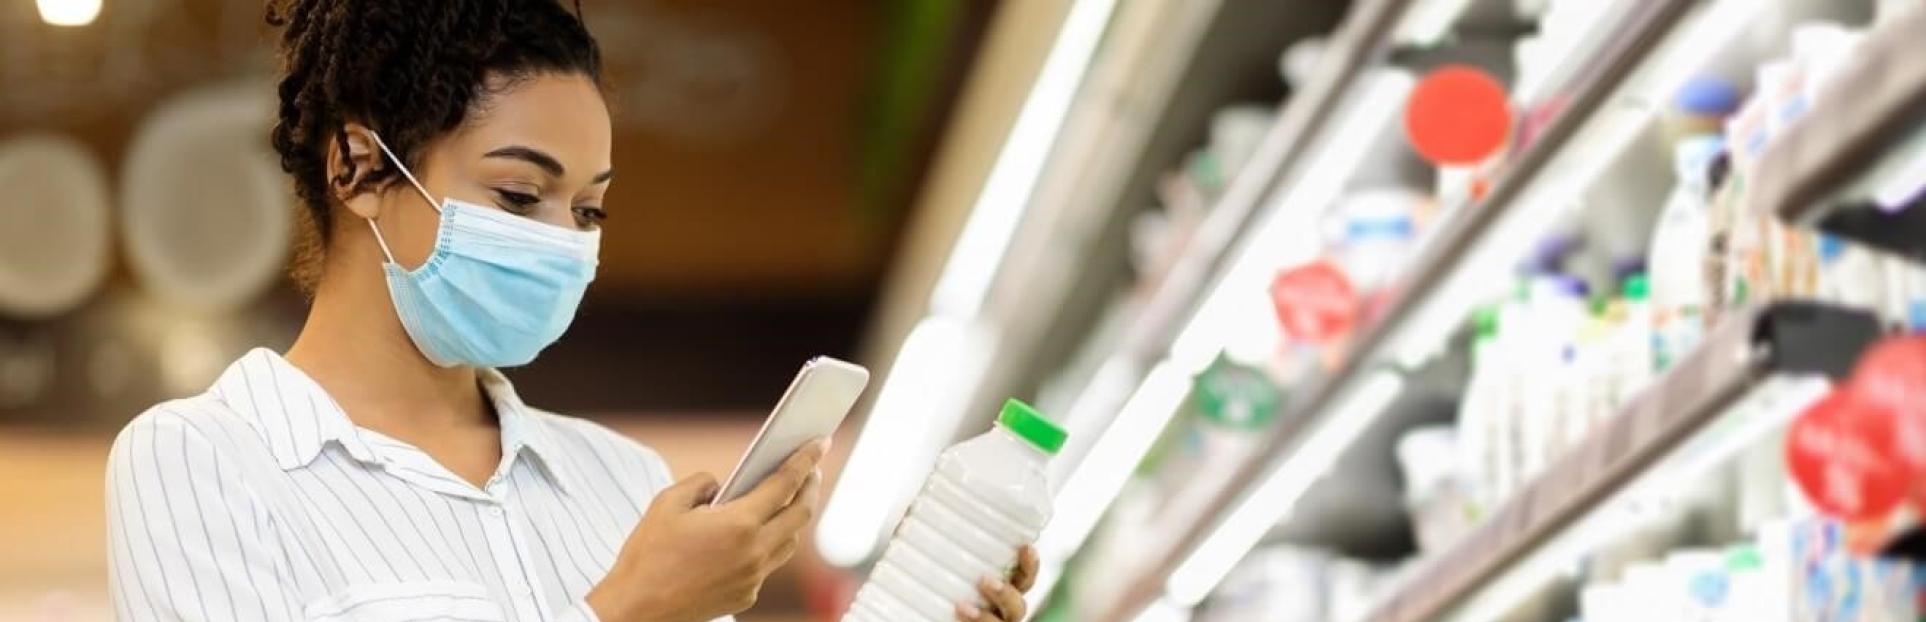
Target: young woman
{"points": [[452, 156]]}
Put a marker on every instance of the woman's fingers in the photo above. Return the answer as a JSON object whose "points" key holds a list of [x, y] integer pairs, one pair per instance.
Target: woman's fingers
{"points": [[775, 493], [1025, 575], [1004, 599], [792, 518]]}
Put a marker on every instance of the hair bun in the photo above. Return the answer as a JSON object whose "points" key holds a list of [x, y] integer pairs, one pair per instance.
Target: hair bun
{"points": [[410, 69]]}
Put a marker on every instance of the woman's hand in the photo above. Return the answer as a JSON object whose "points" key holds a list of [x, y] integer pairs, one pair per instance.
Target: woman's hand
{"points": [[688, 561], [1005, 597]]}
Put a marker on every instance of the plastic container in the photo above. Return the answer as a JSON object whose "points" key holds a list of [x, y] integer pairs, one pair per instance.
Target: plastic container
{"points": [[988, 496], [1434, 492], [1481, 412], [1557, 310], [1636, 361], [1681, 247], [1374, 235]]}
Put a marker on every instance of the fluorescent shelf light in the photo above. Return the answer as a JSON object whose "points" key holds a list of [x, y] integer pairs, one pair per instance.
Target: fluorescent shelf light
{"points": [[1083, 474], [1428, 21], [915, 413], [973, 262], [1100, 477], [1093, 412], [1272, 499], [1237, 307], [942, 360], [69, 12]]}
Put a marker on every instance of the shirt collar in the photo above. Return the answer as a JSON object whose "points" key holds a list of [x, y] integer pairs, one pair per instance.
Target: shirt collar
{"points": [[524, 428], [297, 418]]}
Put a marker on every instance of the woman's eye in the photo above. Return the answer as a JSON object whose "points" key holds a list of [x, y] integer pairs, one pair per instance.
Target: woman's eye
{"points": [[518, 202], [590, 216]]}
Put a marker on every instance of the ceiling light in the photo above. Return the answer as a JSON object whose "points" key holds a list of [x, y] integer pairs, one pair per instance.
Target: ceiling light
{"points": [[69, 12], [973, 262]]}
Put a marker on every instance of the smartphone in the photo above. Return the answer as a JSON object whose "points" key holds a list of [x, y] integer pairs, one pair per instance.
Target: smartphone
{"points": [[816, 402]]}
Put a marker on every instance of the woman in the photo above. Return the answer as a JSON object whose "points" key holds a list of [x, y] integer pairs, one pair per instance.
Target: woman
{"points": [[452, 156]]}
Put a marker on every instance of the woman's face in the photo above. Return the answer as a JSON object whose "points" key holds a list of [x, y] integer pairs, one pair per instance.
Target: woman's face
{"points": [[536, 147]]}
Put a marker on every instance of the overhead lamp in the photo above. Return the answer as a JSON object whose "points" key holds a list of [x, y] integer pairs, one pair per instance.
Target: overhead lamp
{"points": [[986, 236], [68, 12]]}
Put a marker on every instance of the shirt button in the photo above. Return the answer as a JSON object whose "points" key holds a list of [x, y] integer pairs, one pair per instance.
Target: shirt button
{"points": [[523, 590], [495, 512]]}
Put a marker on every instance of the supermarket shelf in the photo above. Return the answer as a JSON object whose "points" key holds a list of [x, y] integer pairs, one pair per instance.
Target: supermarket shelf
{"points": [[1789, 337], [1362, 36], [1855, 166], [1144, 108], [1619, 54]]}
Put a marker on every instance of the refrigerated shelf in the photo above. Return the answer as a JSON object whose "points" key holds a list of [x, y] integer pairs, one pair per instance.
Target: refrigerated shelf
{"points": [[1310, 418], [1786, 338], [1855, 165], [1359, 38]]}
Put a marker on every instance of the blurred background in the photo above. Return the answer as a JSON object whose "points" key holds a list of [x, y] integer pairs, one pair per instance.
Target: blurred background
{"points": [[770, 152], [1380, 310]]}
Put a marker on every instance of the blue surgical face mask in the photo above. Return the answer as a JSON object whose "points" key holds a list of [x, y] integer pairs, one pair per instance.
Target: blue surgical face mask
{"points": [[496, 290]]}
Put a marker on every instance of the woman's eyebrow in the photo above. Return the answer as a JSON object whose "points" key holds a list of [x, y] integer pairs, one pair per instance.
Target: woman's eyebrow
{"points": [[530, 155]]}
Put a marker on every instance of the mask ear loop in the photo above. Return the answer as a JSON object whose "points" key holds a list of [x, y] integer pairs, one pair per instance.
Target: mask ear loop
{"points": [[411, 179]]}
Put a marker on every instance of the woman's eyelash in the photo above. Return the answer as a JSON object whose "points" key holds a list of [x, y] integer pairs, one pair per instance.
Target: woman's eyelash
{"points": [[591, 214], [519, 199]]}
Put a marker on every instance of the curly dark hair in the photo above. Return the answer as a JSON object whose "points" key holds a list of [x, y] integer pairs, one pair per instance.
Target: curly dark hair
{"points": [[411, 70]]}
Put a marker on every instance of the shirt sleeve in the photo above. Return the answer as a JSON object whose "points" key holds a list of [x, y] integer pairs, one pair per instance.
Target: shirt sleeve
{"points": [[187, 540]]}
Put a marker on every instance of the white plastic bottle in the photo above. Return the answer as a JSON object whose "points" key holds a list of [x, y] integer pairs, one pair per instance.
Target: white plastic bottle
{"points": [[1481, 411], [1679, 291], [988, 496]]}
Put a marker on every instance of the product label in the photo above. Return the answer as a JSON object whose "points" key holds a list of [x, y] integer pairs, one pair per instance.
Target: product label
{"points": [[1838, 454], [1315, 302]]}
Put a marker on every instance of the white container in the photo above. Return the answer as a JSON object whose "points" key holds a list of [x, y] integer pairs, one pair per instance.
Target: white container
{"points": [[988, 497]]}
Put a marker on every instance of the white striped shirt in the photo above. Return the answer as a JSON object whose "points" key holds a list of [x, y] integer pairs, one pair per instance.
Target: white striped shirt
{"points": [[261, 500]]}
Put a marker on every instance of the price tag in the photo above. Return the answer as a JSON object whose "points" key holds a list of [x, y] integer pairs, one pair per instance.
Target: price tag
{"points": [[1836, 454], [1315, 302], [1892, 376]]}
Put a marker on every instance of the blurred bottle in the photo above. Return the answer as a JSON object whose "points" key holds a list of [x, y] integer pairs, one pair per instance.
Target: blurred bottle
{"points": [[1680, 243]]}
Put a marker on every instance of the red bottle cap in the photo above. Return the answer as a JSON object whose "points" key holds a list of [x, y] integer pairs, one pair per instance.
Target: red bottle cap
{"points": [[1457, 116]]}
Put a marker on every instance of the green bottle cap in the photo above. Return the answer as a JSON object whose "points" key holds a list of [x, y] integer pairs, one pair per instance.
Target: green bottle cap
{"points": [[1236, 395], [1031, 426], [1484, 322], [1638, 287]]}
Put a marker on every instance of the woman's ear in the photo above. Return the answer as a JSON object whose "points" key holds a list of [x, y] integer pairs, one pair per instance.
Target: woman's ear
{"points": [[352, 159]]}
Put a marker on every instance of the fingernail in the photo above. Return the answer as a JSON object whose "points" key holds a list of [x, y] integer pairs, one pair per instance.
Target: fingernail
{"points": [[993, 584], [969, 611]]}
